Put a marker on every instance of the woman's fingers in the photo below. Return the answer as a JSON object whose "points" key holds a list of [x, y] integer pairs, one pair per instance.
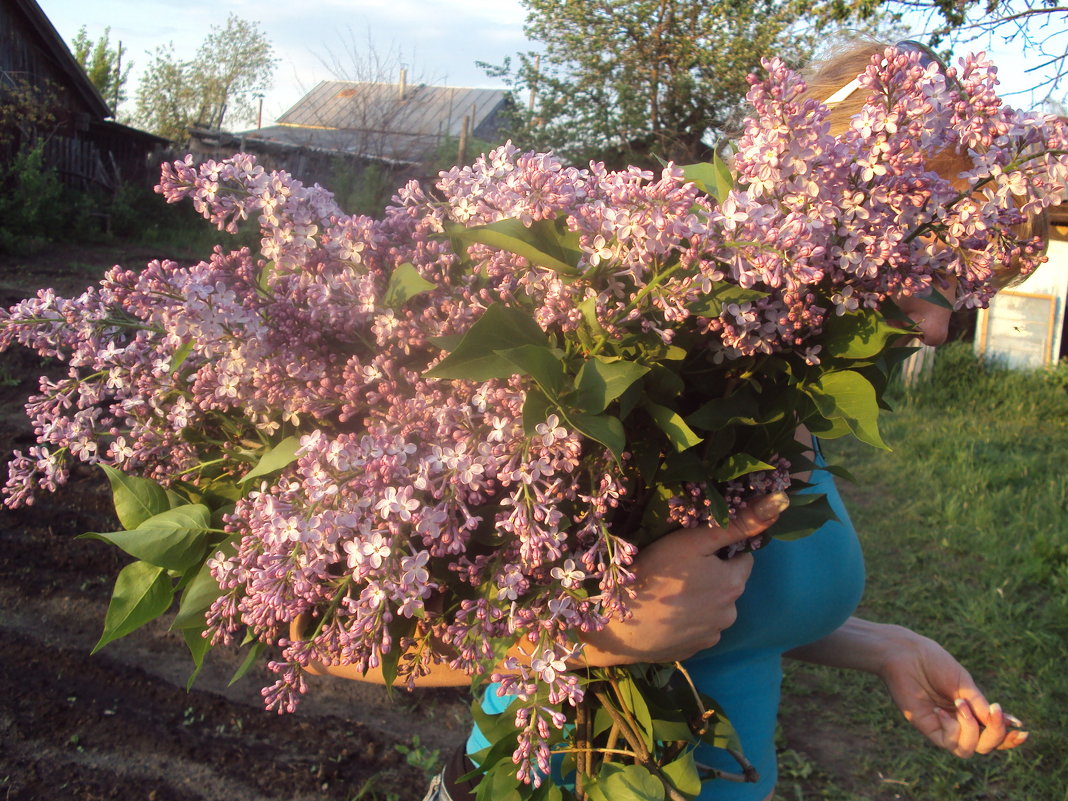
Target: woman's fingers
{"points": [[994, 731], [1013, 739], [756, 518], [969, 729]]}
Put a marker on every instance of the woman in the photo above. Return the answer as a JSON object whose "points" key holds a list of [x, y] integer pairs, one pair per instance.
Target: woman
{"points": [[733, 620]]}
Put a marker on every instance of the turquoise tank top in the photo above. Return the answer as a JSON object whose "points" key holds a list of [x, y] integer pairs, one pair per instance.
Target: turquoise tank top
{"points": [[798, 592]]}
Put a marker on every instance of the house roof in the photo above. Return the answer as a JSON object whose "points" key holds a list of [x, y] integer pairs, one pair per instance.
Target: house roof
{"points": [[374, 120], [56, 50]]}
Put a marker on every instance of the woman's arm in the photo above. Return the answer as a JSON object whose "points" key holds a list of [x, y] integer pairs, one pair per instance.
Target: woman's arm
{"points": [[685, 597], [931, 688]]}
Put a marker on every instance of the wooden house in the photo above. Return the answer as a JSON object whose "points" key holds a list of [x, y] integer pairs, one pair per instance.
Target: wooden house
{"points": [[47, 96]]}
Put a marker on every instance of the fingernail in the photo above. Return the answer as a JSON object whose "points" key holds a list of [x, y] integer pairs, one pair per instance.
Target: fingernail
{"points": [[1021, 736], [1012, 720], [963, 707], [771, 506], [995, 709]]}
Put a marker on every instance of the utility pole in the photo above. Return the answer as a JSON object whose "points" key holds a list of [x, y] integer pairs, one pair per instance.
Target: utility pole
{"points": [[461, 156], [534, 83], [118, 83]]}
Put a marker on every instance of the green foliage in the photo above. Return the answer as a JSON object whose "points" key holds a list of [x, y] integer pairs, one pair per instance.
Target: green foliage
{"points": [[363, 189], [30, 112], [142, 593], [32, 209], [231, 64], [594, 381], [275, 458], [625, 82], [103, 66], [419, 756], [964, 531]]}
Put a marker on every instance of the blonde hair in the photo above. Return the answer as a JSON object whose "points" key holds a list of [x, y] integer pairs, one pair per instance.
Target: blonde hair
{"points": [[838, 70]]}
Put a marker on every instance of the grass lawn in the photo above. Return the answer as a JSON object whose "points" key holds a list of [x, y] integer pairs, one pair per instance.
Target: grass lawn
{"points": [[965, 531]]}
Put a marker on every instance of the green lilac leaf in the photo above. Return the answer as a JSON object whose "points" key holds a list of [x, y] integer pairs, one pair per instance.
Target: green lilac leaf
{"points": [[711, 177], [724, 180], [142, 593], [535, 410], [702, 175], [499, 784], [806, 514], [741, 408], [136, 499], [399, 628], [540, 363], [724, 292], [448, 342], [634, 701], [198, 649], [829, 429], [602, 721], [858, 335], [180, 355], [663, 383], [683, 774], [275, 458], [541, 244], [849, 396], [405, 283], [720, 733], [173, 540], [250, 659], [548, 791], [680, 435], [632, 783], [601, 428], [264, 280], [197, 598], [588, 308], [739, 464], [599, 382], [474, 358], [594, 791]]}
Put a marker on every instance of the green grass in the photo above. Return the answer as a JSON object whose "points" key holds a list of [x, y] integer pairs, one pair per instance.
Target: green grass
{"points": [[965, 531]]}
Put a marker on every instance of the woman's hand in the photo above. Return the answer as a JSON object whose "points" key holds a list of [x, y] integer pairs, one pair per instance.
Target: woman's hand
{"points": [[940, 698], [685, 594]]}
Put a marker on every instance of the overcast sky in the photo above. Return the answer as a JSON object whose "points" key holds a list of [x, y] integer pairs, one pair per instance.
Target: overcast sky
{"points": [[438, 40]]}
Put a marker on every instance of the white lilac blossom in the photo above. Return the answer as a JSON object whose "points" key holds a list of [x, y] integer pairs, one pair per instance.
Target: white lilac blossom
{"points": [[424, 520]]}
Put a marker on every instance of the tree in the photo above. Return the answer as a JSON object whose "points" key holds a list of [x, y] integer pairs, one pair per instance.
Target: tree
{"points": [[217, 84], [626, 81], [103, 65]]}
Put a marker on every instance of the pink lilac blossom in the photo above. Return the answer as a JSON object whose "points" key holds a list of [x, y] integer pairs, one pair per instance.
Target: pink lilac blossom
{"points": [[405, 487]]}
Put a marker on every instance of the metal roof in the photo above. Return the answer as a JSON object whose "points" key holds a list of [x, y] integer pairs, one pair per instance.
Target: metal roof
{"points": [[374, 120]]}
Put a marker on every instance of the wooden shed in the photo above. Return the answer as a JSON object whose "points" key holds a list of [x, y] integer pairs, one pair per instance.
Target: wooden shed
{"points": [[1025, 325], [81, 143]]}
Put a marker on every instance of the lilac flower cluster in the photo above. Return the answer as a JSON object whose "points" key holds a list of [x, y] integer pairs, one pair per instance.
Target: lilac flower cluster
{"points": [[425, 521]]}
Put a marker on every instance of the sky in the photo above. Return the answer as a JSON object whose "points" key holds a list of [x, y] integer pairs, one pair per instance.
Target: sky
{"points": [[438, 41]]}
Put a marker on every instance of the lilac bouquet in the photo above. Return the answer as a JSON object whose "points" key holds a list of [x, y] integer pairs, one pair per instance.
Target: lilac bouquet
{"points": [[448, 431]]}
